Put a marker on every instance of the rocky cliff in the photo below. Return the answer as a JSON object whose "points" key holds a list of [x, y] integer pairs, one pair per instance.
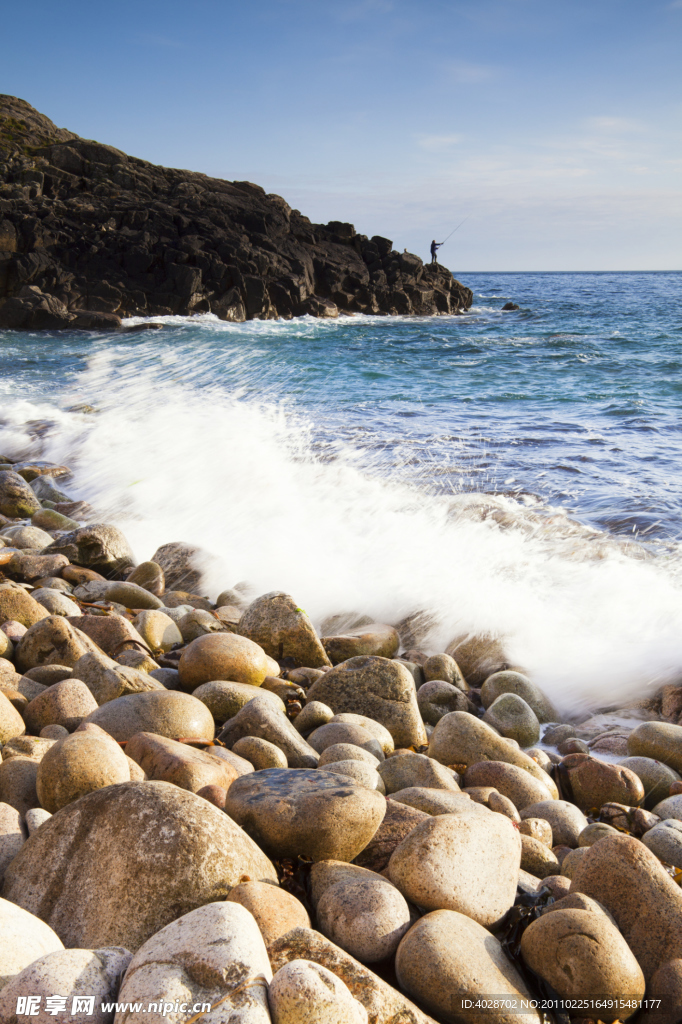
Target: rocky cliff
{"points": [[89, 235]]}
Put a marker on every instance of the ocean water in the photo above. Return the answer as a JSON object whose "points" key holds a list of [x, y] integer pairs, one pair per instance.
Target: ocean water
{"points": [[513, 473]]}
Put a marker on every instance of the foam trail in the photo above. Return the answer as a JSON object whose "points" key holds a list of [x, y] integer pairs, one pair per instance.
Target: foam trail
{"points": [[172, 460]]}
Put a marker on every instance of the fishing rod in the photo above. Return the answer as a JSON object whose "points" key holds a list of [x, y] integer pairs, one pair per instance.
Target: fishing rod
{"points": [[455, 229]]}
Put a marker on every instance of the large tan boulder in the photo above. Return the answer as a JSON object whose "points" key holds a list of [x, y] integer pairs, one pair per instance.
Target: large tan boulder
{"points": [[383, 1003], [313, 813], [460, 738], [479, 656], [107, 679], [398, 822], [450, 963], [468, 862], [630, 882], [165, 712], [98, 545], [23, 938], [11, 722], [169, 761], [275, 910], [66, 703], [303, 992], [518, 785], [583, 956], [18, 606], [374, 639], [224, 656], [18, 783], [79, 764], [377, 688], [404, 770], [211, 956], [111, 633], [283, 630], [52, 641], [661, 741], [116, 866], [516, 682], [225, 699]]}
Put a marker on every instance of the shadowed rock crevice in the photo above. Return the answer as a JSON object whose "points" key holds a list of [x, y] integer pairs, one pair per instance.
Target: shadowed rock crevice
{"points": [[89, 234]]}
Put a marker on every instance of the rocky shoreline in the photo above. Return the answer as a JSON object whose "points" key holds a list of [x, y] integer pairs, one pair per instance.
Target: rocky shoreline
{"points": [[90, 235], [207, 804]]}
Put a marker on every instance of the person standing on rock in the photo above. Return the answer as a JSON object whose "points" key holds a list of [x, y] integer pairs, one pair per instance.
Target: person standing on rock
{"points": [[435, 246]]}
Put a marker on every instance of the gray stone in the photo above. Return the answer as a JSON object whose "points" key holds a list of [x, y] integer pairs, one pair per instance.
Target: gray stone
{"points": [[566, 820], [446, 959], [35, 818], [11, 722], [97, 546], [131, 596], [312, 813], [333, 733], [70, 973], [366, 917], [12, 836], [66, 703], [276, 623], [583, 956], [23, 938], [376, 688], [212, 955], [261, 718], [399, 821], [18, 783], [509, 681], [314, 714], [665, 841], [165, 712], [362, 774], [513, 718], [460, 738], [304, 992], [375, 638], [478, 656], [119, 864], [260, 753], [27, 538], [671, 807], [55, 603], [224, 699], [443, 668], [661, 741], [438, 698], [177, 562], [433, 801], [347, 752], [77, 765], [467, 862], [656, 777], [53, 641]]}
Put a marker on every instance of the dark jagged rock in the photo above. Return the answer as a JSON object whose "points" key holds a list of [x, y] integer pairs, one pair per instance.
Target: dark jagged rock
{"points": [[89, 235]]}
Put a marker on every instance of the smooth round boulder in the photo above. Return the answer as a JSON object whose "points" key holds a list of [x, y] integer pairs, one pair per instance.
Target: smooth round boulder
{"points": [[665, 841], [52, 641], [23, 938], [260, 718], [377, 688], [224, 656], [594, 832], [443, 668], [366, 917], [468, 862], [292, 812], [594, 783], [656, 777], [27, 538], [583, 956], [260, 753], [276, 911], [76, 765], [438, 698], [347, 752], [314, 714], [627, 879], [375, 638], [157, 630], [660, 741], [362, 774], [116, 866], [478, 656], [18, 606], [55, 603], [11, 722], [333, 733], [671, 807], [66, 703], [149, 576], [166, 712], [283, 630], [449, 963], [433, 801], [513, 718], [460, 738], [566, 820], [510, 681], [304, 992], [509, 780], [224, 699], [17, 500], [537, 858]]}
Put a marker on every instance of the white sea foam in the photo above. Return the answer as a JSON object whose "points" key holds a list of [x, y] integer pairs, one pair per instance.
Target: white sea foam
{"points": [[171, 460]]}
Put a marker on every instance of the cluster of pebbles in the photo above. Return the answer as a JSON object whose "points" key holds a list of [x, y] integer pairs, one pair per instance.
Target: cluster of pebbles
{"points": [[208, 803]]}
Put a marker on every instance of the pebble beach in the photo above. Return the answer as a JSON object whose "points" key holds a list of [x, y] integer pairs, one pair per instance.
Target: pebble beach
{"points": [[212, 811]]}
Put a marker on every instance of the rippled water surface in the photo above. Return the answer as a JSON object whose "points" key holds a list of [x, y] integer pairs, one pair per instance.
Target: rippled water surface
{"points": [[338, 459]]}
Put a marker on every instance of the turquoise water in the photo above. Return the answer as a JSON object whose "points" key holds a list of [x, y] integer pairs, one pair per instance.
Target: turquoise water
{"points": [[490, 470]]}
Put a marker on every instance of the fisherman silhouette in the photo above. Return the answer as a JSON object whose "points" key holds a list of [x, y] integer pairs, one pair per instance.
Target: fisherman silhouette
{"points": [[435, 246]]}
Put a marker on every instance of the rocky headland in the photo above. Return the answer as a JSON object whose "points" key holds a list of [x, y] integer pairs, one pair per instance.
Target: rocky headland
{"points": [[212, 811], [89, 235]]}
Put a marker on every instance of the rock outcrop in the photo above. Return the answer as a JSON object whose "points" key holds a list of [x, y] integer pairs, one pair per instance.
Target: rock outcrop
{"points": [[89, 235]]}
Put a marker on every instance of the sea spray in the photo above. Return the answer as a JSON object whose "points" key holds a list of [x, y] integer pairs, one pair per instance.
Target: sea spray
{"points": [[172, 454]]}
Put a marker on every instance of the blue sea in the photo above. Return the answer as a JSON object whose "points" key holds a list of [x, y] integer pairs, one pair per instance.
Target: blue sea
{"points": [[508, 472]]}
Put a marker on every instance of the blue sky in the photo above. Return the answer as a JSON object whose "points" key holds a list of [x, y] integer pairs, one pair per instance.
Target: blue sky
{"points": [[555, 126]]}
